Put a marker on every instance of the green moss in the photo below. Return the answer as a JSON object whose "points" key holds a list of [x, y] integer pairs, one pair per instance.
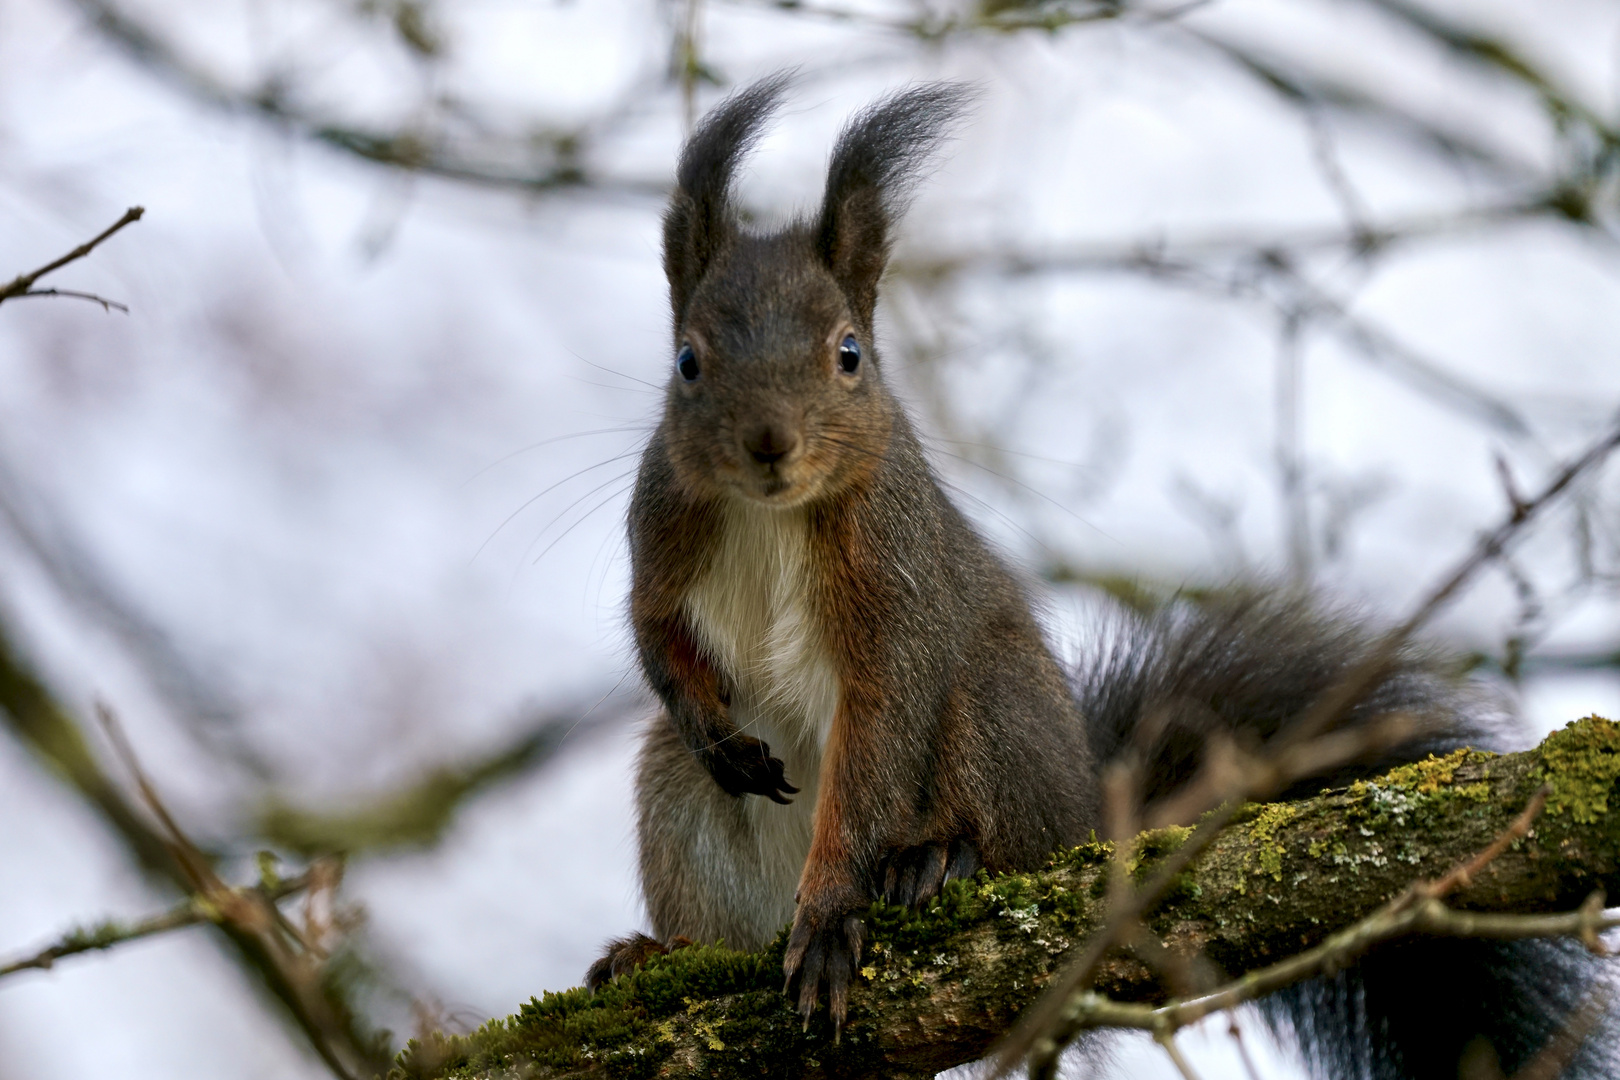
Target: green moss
{"points": [[1582, 763], [1429, 775], [1151, 846], [99, 936], [631, 1028], [616, 1026], [1092, 853], [1265, 855]]}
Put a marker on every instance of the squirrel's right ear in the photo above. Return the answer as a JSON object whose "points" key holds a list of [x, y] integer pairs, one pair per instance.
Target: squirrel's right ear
{"points": [[699, 220]]}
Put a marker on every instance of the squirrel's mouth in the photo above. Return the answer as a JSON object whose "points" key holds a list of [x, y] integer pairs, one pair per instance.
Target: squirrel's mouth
{"points": [[781, 485], [772, 468], [775, 489]]}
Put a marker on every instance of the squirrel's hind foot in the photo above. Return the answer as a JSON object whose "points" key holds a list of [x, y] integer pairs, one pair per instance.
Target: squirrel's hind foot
{"points": [[910, 877], [626, 954]]}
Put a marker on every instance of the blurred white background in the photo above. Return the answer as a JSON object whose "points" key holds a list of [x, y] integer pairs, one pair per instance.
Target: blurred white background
{"points": [[1236, 285]]}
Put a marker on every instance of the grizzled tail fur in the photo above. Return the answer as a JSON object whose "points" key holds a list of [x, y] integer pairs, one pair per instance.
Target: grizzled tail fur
{"points": [[1244, 664]]}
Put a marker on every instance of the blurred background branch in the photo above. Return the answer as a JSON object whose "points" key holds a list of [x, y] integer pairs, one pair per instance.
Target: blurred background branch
{"points": [[1208, 288]]}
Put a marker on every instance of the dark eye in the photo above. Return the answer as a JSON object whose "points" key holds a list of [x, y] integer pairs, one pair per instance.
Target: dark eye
{"points": [[686, 363], [849, 355]]}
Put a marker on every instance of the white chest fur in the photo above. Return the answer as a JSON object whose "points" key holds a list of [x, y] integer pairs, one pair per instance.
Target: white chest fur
{"points": [[751, 611]]}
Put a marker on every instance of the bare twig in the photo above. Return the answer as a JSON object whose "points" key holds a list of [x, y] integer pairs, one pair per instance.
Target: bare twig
{"points": [[22, 284], [1047, 1028], [1463, 875], [689, 61], [1510, 488], [110, 934], [1239, 265], [1243, 1049], [1418, 910], [1315, 92], [74, 294], [1498, 55], [292, 962], [1418, 916], [533, 161], [1282, 766], [991, 17], [1288, 448], [1332, 705], [1551, 1060], [1167, 1041]]}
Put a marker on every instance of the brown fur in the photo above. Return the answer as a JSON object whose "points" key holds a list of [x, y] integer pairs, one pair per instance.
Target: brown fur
{"points": [[870, 572], [825, 630]]}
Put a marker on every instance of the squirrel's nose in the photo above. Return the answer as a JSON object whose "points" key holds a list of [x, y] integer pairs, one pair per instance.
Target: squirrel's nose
{"points": [[770, 441]]}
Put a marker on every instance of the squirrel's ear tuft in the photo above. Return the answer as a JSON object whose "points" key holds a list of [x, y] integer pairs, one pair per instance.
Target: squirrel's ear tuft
{"points": [[699, 218], [873, 171]]}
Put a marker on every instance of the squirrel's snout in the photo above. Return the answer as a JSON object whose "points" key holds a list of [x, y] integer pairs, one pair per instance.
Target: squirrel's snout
{"points": [[768, 442]]}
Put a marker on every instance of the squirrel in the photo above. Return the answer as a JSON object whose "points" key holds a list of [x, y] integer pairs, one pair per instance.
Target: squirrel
{"points": [[858, 701]]}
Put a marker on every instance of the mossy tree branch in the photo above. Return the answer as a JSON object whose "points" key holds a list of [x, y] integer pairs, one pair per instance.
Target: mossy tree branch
{"points": [[939, 988]]}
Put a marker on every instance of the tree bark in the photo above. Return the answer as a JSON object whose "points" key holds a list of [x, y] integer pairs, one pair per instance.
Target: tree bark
{"points": [[940, 986]]}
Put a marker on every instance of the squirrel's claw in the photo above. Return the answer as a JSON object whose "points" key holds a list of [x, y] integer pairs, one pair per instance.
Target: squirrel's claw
{"points": [[624, 955], [824, 948], [743, 765], [910, 877], [778, 779]]}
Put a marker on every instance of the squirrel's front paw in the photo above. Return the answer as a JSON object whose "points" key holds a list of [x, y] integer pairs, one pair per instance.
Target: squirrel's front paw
{"points": [[823, 947], [743, 765], [910, 877]]}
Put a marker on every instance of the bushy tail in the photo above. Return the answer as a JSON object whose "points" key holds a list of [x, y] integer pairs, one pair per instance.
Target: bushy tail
{"points": [[1244, 664]]}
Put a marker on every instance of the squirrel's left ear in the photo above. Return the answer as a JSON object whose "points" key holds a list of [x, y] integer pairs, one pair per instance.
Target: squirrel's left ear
{"points": [[874, 168]]}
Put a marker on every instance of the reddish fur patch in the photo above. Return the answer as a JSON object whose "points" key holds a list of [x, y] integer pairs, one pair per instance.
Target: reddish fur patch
{"points": [[852, 597], [689, 666]]}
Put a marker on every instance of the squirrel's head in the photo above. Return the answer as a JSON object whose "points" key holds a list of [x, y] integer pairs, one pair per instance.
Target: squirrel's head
{"points": [[775, 394]]}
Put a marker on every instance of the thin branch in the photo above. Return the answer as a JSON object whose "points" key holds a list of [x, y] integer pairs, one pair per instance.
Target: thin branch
{"points": [[74, 294], [1160, 256], [1551, 1060], [1421, 917], [110, 934], [1381, 348], [1243, 1049], [292, 962], [1418, 910], [1183, 1066], [556, 166], [1316, 92], [689, 62], [1498, 55], [1333, 704], [34, 715], [991, 17], [1234, 264], [22, 284], [1051, 1025]]}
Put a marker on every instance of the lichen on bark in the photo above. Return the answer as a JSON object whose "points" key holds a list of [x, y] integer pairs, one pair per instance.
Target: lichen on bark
{"points": [[939, 986]]}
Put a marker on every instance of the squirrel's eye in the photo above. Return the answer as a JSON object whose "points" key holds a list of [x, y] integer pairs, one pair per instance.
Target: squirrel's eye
{"points": [[849, 355], [686, 363]]}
